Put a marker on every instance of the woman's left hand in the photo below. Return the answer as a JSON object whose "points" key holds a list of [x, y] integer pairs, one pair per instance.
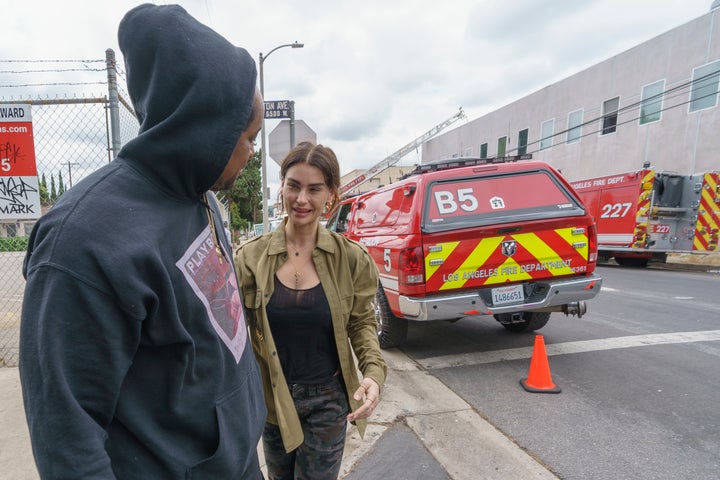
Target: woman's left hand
{"points": [[371, 391]]}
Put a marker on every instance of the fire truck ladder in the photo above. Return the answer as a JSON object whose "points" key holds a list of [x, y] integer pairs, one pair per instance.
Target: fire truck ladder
{"points": [[395, 157]]}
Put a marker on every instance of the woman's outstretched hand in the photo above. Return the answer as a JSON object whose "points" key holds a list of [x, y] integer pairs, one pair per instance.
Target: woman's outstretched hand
{"points": [[371, 392]]}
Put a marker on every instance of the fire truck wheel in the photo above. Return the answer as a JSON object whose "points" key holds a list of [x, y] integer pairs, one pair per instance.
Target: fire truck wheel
{"points": [[529, 321], [391, 330], [632, 262]]}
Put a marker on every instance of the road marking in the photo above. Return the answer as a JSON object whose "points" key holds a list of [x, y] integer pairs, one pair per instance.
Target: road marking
{"points": [[478, 358]]}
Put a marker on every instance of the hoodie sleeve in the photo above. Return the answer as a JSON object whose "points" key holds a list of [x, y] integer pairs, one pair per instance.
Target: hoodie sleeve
{"points": [[75, 348]]}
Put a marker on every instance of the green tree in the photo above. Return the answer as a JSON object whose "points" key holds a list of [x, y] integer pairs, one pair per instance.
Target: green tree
{"points": [[246, 196], [44, 195], [53, 192], [61, 185]]}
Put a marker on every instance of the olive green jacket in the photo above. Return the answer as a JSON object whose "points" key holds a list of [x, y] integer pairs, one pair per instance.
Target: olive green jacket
{"points": [[349, 278]]}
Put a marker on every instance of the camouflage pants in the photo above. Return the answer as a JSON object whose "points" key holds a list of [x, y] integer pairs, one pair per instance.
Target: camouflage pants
{"points": [[322, 410]]}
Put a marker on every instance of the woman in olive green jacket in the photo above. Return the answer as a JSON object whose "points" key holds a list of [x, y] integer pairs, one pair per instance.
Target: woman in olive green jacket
{"points": [[308, 297]]}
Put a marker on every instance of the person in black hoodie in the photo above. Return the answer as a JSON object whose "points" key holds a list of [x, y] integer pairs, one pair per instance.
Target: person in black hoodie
{"points": [[134, 356]]}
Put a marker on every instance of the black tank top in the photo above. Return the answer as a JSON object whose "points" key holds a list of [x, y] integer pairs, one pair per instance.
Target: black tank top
{"points": [[301, 326]]}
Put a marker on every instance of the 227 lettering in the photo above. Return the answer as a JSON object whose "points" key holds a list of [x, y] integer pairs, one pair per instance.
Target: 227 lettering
{"points": [[615, 210]]}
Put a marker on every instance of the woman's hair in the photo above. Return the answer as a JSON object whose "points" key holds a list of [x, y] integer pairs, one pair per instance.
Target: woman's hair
{"points": [[318, 156]]}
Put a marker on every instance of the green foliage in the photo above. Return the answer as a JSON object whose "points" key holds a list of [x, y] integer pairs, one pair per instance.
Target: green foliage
{"points": [[246, 196], [236, 221], [61, 185], [13, 244], [49, 196], [53, 191], [44, 194]]}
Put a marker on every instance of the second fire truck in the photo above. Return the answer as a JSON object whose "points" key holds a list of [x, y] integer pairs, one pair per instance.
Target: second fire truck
{"points": [[645, 214]]}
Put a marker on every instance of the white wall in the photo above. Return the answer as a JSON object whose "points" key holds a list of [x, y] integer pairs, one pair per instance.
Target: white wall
{"points": [[682, 141]]}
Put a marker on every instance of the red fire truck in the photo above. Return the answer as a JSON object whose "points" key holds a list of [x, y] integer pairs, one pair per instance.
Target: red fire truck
{"points": [[644, 215], [477, 238]]}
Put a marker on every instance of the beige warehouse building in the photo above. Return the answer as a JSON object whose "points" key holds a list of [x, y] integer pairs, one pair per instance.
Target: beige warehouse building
{"points": [[656, 103]]}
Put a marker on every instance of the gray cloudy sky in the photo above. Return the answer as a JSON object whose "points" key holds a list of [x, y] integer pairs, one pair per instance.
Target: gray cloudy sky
{"points": [[373, 75]]}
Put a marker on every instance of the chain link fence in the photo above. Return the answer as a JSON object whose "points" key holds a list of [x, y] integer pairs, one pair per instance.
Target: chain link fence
{"points": [[73, 137]]}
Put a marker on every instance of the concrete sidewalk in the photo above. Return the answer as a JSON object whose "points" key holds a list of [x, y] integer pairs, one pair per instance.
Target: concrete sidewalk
{"points": [[461, 442], [418, 420]]}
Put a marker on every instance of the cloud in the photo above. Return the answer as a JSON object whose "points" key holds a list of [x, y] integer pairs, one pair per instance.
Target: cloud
{"points": [[373, 75]]}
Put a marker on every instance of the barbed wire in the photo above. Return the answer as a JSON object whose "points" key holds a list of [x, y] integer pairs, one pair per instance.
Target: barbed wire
{"points": [[86, 69], [52, 61], [55, 70], [52, 84]]}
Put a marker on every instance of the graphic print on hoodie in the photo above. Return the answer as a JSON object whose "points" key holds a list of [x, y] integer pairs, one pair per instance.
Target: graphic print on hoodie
{"points": [[215, 284]]}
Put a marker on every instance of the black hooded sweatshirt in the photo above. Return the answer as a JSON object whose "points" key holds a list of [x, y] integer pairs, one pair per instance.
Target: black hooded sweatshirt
{"points": [[134, 356]]}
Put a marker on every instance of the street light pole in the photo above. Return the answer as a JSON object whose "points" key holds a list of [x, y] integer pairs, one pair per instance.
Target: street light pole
{"points": [[262, 59]]}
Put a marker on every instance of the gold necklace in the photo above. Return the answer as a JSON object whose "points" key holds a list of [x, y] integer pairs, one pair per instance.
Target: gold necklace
{"points": [[297, 275], [297, 271], [211, 221]]}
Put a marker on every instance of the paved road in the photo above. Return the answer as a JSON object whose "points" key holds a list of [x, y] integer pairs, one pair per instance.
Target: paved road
{"points": [[639, 377]]}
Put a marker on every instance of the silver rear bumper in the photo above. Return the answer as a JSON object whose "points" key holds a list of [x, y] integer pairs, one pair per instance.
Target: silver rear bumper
{"points": [[545, 295]]}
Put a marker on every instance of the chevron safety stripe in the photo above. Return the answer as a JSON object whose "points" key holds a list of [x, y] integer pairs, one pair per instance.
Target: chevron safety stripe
{"points": [[437, 255], [509, 258], [707, 227], [641, 215]]}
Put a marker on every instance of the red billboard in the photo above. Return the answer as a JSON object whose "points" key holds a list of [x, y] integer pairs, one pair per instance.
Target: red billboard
{"points": [[19, 186]]}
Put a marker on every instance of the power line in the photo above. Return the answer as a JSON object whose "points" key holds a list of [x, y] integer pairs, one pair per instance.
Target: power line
{"points": [[679, 90], [597, 119]]}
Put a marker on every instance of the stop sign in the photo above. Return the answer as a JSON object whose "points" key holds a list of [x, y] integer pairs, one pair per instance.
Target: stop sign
{"points": [[279, 138]]}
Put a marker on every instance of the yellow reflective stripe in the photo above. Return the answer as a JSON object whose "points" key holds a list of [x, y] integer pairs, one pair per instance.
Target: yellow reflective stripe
{"points": [[644, 199], [477, 257], [510, 270], [708, 199], [697, 245], [445, 250], [570, 238], [542, 252]]}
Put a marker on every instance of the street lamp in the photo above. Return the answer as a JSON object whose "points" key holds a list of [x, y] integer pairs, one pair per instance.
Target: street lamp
{"points": [[264, 154]]}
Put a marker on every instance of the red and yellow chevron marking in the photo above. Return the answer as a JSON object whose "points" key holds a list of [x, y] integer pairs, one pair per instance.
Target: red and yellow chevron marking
{"points": [[474, 263], [643, 206], [707, 228]]}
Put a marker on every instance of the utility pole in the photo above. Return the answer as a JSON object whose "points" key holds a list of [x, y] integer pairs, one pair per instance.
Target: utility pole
{"points": [[69, 165]]}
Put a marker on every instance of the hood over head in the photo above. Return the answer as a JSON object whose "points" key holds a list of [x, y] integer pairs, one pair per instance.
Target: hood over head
{"points": [[193, 94]]}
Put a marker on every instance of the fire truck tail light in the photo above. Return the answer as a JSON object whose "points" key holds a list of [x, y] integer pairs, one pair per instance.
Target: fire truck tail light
{"points": [[592, 244], [411, 269]]}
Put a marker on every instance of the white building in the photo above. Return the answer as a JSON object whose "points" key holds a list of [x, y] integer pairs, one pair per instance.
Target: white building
{"points": [[385, 177], [656, 102]]}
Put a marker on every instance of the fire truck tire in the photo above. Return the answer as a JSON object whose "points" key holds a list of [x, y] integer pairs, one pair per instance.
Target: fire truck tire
{"points": [[391, 330], [530, 321], [632, 262]]}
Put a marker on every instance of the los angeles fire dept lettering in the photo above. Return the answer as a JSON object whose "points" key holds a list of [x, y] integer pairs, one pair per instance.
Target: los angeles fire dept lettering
{"points": [[507, 270]]}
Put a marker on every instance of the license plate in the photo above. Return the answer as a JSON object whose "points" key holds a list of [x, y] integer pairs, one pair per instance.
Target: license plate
{"points": [[511, 294]]}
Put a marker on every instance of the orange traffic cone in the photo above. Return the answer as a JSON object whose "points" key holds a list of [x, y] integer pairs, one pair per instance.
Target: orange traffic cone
{"points": [[539, 379]]}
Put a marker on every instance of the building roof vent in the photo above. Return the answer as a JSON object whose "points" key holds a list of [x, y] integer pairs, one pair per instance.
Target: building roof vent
{"points": [[715, 4]]}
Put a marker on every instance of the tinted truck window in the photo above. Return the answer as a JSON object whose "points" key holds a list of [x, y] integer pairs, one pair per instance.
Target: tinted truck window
{"points": [[471, 202]]}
